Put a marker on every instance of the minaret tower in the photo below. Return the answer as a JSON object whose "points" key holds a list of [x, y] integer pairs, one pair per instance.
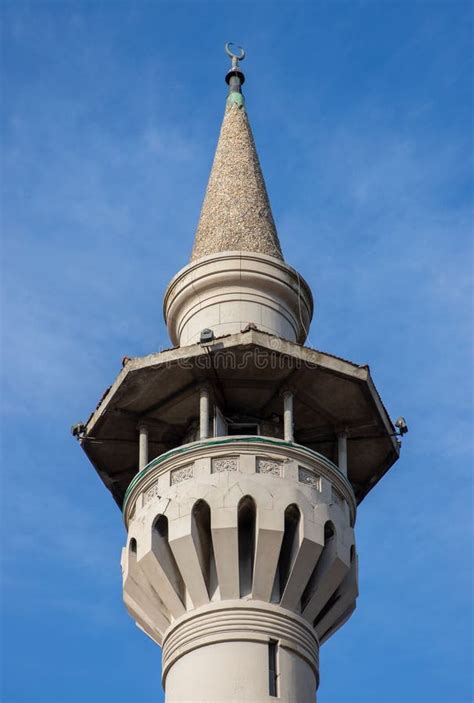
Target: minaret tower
{"points": [[239, 457]]}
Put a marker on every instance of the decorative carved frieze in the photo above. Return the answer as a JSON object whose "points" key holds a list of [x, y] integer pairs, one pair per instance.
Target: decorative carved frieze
{"points": [[309, 478], [269, 466], [225, 463], [315, 471], [182, 474], [151, 493]]}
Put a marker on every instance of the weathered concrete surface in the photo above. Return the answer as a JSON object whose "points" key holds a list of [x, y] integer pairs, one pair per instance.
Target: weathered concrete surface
{"points": [[247, 374]]}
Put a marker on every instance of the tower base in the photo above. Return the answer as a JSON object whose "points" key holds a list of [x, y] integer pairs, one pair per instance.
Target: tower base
{"points": [[240, 651]]}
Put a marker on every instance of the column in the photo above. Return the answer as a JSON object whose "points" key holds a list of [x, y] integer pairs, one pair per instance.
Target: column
{"points": [[342, 452], [142, 446], [203, 413], [288, 416]]}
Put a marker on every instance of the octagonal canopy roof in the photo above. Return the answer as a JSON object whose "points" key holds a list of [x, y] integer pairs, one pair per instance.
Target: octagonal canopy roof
{"points": [[247, 373]]}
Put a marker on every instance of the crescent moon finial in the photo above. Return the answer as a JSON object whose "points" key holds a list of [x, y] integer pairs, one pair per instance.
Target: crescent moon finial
{"points": [[234, 77], [235, 57]]}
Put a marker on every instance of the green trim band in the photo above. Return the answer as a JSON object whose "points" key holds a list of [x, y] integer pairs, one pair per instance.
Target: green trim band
{"points": [[236, 98], [218, 442]]}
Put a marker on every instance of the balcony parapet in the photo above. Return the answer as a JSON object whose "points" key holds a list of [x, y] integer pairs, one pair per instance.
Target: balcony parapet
{"points": [[264, 455]]}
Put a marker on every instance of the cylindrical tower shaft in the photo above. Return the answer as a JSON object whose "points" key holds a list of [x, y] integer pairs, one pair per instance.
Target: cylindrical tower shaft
{"points": [[246, 652]]}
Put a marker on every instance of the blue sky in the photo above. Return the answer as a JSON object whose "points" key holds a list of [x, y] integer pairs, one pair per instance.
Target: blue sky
{"points": [[362, 115]]}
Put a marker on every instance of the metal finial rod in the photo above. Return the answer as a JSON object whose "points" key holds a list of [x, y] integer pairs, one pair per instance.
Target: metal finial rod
{"points": [[234, 78]]}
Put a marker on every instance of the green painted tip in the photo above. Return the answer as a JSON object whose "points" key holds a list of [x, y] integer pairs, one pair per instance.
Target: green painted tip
{"points": [[236, 98]]}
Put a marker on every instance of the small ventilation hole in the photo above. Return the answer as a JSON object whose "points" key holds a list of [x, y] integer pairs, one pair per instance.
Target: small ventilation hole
{"points": [[329, 532], [273, 668]]}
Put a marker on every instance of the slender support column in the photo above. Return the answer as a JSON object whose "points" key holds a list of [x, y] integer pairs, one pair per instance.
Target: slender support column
{"points": [[204, 414], [342, 452], [142, 447], [288, 416]]}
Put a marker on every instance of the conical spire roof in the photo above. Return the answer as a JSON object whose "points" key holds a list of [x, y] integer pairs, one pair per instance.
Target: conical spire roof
{"points": [[236, 213]]}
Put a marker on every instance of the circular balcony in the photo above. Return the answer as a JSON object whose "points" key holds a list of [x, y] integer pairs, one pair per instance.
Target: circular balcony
{"points": [[248, 455], [246, 518]]}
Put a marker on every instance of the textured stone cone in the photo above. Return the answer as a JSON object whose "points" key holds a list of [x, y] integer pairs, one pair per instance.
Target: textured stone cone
{"points": [[236, 213]]}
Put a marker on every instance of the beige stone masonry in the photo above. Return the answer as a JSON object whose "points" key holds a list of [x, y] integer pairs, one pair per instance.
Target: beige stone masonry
{"points": [[236, 213], [228, 291]]}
